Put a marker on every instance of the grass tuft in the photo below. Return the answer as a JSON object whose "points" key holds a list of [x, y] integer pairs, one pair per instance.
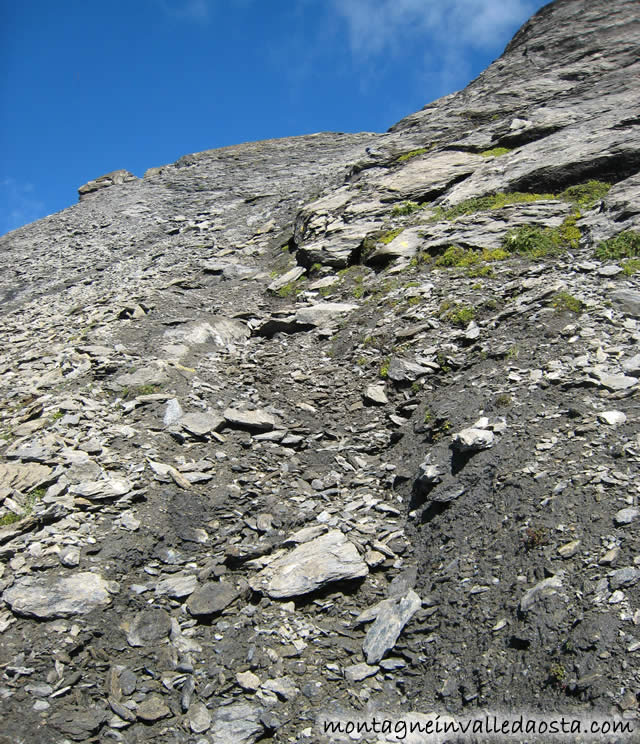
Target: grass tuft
{"points": [[496, 152], [389, 236], [564, 301], [411, 154], [533, 241], [405, 209], [623, 245]]}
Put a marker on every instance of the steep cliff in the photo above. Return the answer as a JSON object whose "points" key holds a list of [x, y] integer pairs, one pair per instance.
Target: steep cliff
{"points": [[336, 424]]}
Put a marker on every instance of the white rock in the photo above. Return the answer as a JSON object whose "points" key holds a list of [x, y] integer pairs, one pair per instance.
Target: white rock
{"points": [[473, 440], [331, 557], [613, 418], [375, 394], [47, 596], [173, 412], [545, 588]]}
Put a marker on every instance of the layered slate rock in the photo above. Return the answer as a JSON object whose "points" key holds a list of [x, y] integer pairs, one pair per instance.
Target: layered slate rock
{"points": [[390, 618], [331, 557]]}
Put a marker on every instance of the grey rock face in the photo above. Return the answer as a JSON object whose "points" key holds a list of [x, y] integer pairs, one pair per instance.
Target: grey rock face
{"points": [[62, 596]]}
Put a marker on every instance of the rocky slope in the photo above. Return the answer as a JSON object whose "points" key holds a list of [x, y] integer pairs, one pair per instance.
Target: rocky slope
{"points": [[336, 423]]}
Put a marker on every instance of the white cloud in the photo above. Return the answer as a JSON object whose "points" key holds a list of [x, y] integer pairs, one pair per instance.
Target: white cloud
{"points": [[18, 205], [376, 26]]}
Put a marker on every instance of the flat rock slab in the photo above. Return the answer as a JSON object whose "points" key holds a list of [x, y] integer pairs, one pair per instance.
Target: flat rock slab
{"points": [[200, 423], [199, 718], [391, 618], [426, 175], [77, 724], [152, 709], [321, 314], [211, 598], [626, 516], [375, 394], [223, 332], [612, 418], [47, 597], [23, 477], [238, 723], [257, 420], [152, 374], [103, 489], [624, 577], [311, 565], [403, 370], [614, 382], [628, 300], [149, 627], [177, 585], [358, 672], [290, 276], [632, 366]]}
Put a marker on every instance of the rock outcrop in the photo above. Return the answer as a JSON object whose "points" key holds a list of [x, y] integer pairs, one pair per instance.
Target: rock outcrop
{"points": [[109, 179], [340, 423]]}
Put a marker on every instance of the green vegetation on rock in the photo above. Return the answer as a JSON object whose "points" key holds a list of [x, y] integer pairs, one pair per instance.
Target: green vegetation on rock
{"points": [[630, 267], [389, 236], [623, 245], [457, 314], [455, 256], [405, 209], [292, 288], [539, 242], [564, 301], [496, 152], [583, 195], [492, 201], [411, 154], [9, 518]]}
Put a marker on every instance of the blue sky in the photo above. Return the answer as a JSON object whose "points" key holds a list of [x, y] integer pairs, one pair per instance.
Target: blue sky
{"points": [[88, 87]]}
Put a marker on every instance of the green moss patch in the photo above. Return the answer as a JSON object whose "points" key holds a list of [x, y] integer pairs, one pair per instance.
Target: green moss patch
{"points": [[411, 154], [389, 236], [585, 195], [405, 209], [457, 314], [496, 152], [563, 301]]}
